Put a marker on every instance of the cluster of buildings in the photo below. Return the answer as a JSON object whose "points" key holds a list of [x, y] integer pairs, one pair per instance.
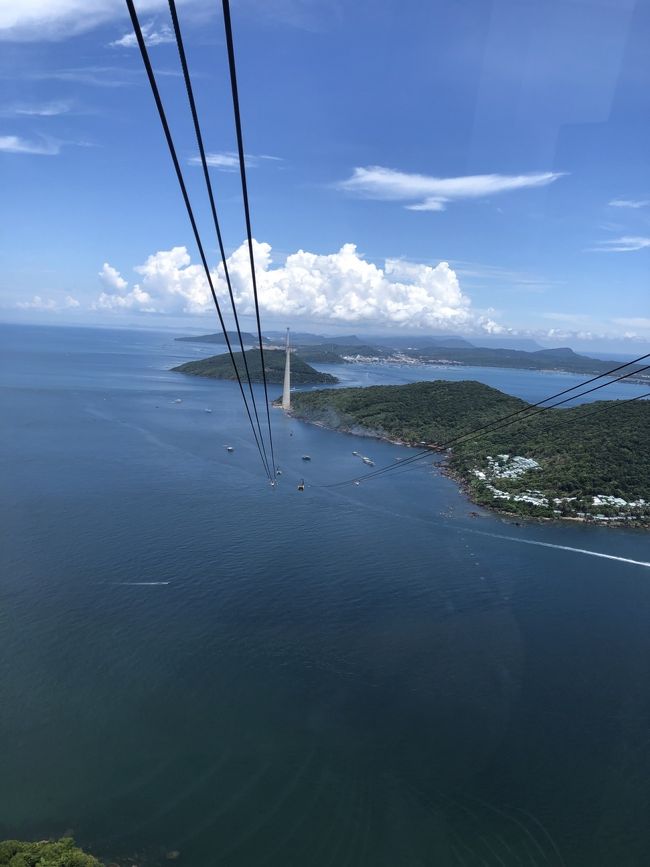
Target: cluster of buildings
{"points": [[514, 466]]}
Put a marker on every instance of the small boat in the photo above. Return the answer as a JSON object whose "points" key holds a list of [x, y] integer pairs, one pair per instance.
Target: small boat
{"points": [[356, 454], [278, 472], [229, 449], [306, 457], [178, 400], [207, 410], [357, 483], [301, 485], [368, 461]]}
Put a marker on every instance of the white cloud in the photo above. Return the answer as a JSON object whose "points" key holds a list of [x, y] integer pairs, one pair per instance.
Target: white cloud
{"points": [[626, 244], [112, 279], [341, 288], [39, 303], [137, 299], [39, 20], [629, 203], [228, 161], [47, 109], [14, 144], [117, 298], [152, 36], [377, 182]]}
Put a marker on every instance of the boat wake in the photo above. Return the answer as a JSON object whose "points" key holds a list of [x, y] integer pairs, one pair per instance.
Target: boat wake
{"points": [[562, 548]]}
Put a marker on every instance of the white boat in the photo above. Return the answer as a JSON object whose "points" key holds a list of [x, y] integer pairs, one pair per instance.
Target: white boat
{"points": [[368, 461], [306, 457], [229, 449], [207, 410], [356, 454], [178, 400]]}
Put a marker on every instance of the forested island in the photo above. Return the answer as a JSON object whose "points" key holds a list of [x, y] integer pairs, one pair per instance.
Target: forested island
{"points": [[219, 338], [590, 462], [45, 853], [221, 367]]}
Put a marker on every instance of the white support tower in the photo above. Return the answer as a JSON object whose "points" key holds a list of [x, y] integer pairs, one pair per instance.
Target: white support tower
{"points": [[286, 391]]}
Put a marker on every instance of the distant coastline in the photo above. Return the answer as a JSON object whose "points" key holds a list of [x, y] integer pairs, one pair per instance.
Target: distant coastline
{"points": [[446, 352]]}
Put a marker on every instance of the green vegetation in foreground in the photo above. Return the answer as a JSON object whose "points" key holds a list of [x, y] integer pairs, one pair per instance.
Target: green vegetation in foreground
{"points": [[221, 367], [605, 456], [47, 853]]}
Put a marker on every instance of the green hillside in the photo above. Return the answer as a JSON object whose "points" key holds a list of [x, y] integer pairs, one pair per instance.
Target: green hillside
{"points": [[221, 367], [574, 455]]}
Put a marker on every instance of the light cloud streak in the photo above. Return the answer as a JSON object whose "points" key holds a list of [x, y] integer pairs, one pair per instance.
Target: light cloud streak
{"points": [[626, 244], [13, 144], [46, 109], [228, 161], [629, 203], [378, 182], [47, 20]]}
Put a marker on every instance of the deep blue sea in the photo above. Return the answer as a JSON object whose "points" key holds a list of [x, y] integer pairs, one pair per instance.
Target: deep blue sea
{"points": [[197, 667]]}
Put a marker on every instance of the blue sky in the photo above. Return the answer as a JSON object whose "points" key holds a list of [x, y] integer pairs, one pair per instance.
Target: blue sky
{"points": [[510, 140]]}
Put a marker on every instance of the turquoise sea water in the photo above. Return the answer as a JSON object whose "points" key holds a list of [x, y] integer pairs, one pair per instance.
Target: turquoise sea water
{"points": [[191, 661]]}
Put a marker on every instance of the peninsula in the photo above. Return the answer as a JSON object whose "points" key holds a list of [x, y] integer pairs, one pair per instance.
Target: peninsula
{"points": [[445, 351], [221, 367], [589, 462]]}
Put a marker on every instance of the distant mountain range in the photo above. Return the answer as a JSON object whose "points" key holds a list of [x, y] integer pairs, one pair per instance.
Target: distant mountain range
{"points": [[247, 338], [400, 342], [561, 359], [305, 338], [317, 348]]}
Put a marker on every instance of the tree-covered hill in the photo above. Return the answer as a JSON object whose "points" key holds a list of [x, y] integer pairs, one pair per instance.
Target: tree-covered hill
{"points": [[45, 853], [221, 367], [575, 461], [247, 338]]}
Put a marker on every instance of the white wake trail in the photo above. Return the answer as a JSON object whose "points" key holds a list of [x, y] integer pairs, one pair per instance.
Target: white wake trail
{"points": [[141, 583], [563, 548]]}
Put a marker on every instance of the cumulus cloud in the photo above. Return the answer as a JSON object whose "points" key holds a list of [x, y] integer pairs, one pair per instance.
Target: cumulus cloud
{"points": [[116, 296], [427, 193], [39, 303], [228, 161], [626, 244], [112, 279], [341, 288], [152, 36], [629, 203], [14, 144]]}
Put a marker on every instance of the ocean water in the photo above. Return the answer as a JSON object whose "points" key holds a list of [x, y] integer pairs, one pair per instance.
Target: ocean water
{"points": [[192, 662]]}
